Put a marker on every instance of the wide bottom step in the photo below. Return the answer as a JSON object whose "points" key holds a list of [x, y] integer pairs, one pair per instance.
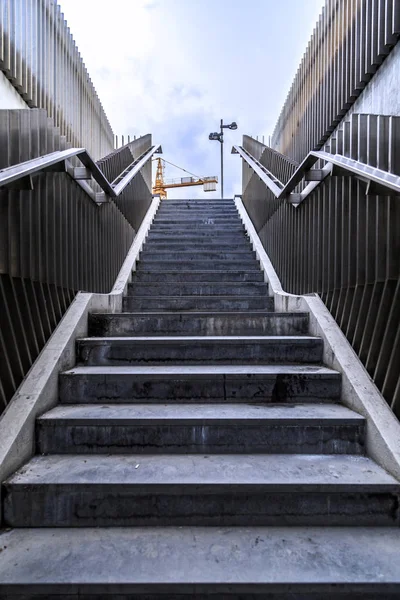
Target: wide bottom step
{"points": [[266, 563]]}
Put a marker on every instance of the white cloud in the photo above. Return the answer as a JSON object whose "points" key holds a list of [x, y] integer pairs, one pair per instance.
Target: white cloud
{"points": [[175, 67]]}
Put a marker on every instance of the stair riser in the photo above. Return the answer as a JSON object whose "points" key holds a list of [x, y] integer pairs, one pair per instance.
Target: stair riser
{"points": [[227, 206], [200, 227], [244, 257], [192, 237], [116, 353], [200, 215], [197, 240], [194, 222], [60, 437], [196, 226], [197, 303], [197, 265], [196, 276], [191, 205], [214, 504], [133, 388], [155, 591], [162, 245], [181, 324], [199, 289], [197, 214]]}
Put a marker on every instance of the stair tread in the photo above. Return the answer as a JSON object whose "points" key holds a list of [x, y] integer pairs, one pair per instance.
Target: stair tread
{"points": [[222, 284], [200, 559], [281, 472], [226, 371], [292, 414], [202, 313], [211, 339]]}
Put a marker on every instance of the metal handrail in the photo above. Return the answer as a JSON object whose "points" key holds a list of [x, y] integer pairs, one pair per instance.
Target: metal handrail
{"points": [[378, 181], [26, 169], [266, 176]]}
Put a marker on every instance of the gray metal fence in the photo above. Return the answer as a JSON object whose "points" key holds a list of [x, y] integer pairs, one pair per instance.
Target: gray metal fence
{"points": [[341, 242], [55, 240]]}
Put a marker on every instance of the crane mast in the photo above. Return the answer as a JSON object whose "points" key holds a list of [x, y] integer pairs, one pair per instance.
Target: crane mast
{"points": [[160, 185]]}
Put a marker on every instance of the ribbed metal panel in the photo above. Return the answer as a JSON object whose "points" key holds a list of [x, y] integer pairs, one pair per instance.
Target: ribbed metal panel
{"points": [[341, 243], [55, 240], [40, 58], [350, 41]]}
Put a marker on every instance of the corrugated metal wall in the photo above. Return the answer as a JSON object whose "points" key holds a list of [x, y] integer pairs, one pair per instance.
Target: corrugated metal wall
{"points": [[341, 243], [350, 41], [55, 240], [40, 58]]}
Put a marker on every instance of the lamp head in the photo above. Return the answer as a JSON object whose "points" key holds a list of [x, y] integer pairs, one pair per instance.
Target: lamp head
{"points": [[215, 136]]}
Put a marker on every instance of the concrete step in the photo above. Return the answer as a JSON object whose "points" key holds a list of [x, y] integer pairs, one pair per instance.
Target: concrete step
{"points": [[201, 563], [215, 229], [197, 265], [216, 232], [194, 221], [209, 323], [200, 384], [196, 236], [199, 240], [205, 206], [238, 256], [195, 214], [197, 203], [181, 277], [214, 288], [201, 215], [109, 351], [195, 489], [202, 227], [204, 428], [197, 303], [212, 244]]}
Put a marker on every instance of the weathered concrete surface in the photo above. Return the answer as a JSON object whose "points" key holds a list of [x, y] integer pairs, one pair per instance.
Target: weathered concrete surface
{"points": [[290, 563], [197, 303], [196, 265], [216, 489], [206, 323], [109, 351], [197, 236], [216, 288], [272, 383], [164, 245], [179, 276], [205, 428], [242, 258]]}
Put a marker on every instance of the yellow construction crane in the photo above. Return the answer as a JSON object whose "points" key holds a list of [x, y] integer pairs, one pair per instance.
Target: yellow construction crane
{"points": [[160, 185]]}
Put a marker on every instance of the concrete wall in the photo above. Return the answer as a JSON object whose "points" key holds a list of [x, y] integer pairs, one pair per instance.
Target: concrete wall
{"points": [[382, 94], [9, 97]]}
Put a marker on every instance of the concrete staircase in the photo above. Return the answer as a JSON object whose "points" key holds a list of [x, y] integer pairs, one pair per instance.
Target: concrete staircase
{"points": [[200, 449]]}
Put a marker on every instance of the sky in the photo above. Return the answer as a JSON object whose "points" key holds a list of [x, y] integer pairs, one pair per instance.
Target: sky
{"points": [[174, 68]]}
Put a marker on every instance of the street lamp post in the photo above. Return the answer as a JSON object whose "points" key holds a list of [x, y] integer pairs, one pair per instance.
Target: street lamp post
{"points": [[219, 137]]}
